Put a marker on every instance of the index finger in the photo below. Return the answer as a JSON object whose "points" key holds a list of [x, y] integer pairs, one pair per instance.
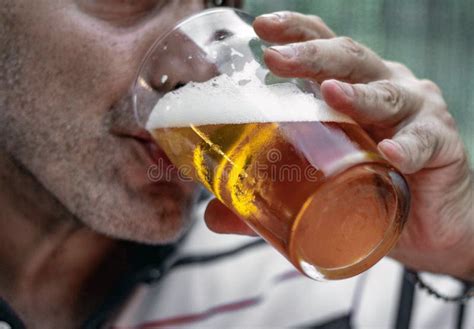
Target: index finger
{"points": [[338, 58], [285, 27]]}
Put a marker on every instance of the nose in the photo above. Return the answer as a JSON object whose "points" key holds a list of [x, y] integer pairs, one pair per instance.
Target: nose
{"points": [[197, 50], [122, 119], [175, 62]]}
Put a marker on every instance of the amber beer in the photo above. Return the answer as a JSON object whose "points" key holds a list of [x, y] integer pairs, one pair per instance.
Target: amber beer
{"points": [[317, 190]]}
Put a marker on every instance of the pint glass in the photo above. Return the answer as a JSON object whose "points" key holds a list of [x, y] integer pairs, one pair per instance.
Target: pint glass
{"points": [[306, 178]]}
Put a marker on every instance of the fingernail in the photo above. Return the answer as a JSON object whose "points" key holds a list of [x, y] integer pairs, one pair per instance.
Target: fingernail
{"points": [[346, 88], [285, 51], [391, 149], [274, 17]]}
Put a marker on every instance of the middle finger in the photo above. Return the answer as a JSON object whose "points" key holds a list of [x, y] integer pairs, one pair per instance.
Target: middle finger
{"points": [[381, 103]]}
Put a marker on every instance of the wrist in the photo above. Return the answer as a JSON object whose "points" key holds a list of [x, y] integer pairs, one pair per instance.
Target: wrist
{"points": [[466, 294], [470, 274], [463, 267], [450, 246], [463, 255]]}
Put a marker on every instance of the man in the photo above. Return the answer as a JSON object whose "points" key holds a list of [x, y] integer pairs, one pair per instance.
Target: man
{"points": [[73, 162]]}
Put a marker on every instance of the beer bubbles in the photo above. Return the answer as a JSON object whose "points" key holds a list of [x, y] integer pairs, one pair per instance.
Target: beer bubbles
{"points": [[306, 178]]}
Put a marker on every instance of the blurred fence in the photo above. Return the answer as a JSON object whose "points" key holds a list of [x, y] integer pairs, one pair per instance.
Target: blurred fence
{"points": [[435, 38]]}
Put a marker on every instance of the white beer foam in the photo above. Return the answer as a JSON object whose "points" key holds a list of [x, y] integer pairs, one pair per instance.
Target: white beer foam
{"points": [[240, 98]]}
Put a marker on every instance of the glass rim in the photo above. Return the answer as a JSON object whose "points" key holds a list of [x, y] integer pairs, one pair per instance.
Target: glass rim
{"points": [[166, 34]]}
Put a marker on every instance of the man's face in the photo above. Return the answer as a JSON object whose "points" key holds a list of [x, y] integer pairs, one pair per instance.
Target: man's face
{"points": [[65, 71]]}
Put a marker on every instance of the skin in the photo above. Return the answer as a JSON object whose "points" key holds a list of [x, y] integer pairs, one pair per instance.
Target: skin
{"points": [[409, 120], [73, 162]]}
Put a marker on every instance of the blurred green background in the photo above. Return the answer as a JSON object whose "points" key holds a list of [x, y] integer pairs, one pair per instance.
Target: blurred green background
{"points": [[434, 38]]}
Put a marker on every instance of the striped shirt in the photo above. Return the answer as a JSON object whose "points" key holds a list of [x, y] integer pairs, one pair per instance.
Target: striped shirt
{"points": [[222, 281], [226, 281]]}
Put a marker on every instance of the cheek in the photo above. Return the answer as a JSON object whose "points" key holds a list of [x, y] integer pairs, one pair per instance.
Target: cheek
{"points": [[75, 68], [110, 56], [72, 70], [82, 60]]}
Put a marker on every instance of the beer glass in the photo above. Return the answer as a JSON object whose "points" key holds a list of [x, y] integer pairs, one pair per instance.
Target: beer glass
{"points": [[306, 178]]}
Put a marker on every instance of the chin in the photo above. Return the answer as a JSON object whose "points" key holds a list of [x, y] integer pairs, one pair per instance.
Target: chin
{"points": [[163, 229], [123, 203], [157, 216], [145, 228]]}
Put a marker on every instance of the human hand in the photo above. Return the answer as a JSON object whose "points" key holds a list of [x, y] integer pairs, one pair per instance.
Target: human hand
{"points": [[408, 119]]}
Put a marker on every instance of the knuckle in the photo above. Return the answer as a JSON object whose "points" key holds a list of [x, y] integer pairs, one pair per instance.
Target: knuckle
{"points": [[428, 85], [308, 56], [424, 135], [365, 94], [409, 148], [316, 19], [448, 120], [309, 48], [398, 68], [440, 112], [391, 95], [436, 105], [318, 24], [351, 47], [370, 98], [440, 105]]}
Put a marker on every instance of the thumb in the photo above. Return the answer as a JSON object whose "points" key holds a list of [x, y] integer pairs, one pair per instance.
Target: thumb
{"points": [[221, 219]]}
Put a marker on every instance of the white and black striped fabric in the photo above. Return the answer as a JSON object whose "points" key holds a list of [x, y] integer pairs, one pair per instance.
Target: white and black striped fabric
{"points": [[223, 281]]}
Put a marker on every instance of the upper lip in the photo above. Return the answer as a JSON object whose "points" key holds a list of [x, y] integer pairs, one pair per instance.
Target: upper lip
{"points": [[149, 144], [121, 122], [141, 135]]}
